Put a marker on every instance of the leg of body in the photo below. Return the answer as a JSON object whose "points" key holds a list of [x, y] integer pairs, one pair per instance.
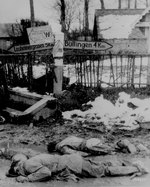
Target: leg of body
{"points": [[120, 170]]}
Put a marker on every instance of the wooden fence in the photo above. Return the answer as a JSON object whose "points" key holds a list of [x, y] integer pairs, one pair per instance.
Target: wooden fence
{"points": [[108, 70], [90, 70], [21, 70]]}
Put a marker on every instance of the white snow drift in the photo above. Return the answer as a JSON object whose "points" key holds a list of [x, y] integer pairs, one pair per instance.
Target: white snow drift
{"points": [[114, 114]]}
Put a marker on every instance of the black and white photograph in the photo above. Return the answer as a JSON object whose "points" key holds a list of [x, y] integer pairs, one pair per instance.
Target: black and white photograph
{"points": [[75, 93]]}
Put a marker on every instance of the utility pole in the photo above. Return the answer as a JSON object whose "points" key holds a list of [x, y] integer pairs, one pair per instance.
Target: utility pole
{"points": [[32, 13]]}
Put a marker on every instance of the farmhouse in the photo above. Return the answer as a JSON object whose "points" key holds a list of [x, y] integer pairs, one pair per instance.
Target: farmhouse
{"points": [[123, 28]]}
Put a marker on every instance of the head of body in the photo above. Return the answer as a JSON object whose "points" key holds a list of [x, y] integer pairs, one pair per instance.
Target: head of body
{"points": [[16, 167], [51, 147]]}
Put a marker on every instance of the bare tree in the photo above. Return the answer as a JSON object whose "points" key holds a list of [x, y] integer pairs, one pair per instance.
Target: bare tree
{"points": [[32, 13], [80, 19], [128, 4], [71, 13], [60, 6], [119, 4], [86, 12], [135, 4], [67, 11], [102, 4]]}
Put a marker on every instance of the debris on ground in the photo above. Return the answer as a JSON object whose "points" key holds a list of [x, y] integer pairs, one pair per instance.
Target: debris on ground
{"points": [[2, 119], [127, 113]]}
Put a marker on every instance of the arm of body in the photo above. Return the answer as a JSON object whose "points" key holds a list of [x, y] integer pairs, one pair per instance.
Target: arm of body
{"points": [[68, 150], [43, 174]]}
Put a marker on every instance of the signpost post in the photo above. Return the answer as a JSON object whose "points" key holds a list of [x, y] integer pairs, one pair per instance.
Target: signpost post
{"points": [[58, 60], [42, 38]]}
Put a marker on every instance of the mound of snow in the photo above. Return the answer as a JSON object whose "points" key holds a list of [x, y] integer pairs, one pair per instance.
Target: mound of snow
{"points": [[119, 114]]}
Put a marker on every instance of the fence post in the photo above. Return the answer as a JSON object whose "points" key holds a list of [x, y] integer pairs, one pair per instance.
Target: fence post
{"points": [[30, 72], [133, 71], [58, 62], [148, 67]]}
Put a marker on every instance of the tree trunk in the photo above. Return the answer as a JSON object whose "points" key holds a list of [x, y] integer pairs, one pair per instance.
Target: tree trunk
{"points": [[119, 4], [86, 11], [63, 16], [102, 4], [128, 4], [146, 3], [32, 13], [135, 5]]}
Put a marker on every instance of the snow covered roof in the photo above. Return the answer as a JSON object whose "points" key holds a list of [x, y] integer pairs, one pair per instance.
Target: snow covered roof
{"points": [[147, 10], [115, 23]]}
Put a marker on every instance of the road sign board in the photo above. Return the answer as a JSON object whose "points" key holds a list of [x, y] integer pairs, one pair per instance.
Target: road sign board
{"points": [[39, 35], [101, 46], [30, 48]]}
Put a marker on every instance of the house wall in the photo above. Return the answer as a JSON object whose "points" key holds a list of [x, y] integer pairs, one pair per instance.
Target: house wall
{"points": [[128, 46]]}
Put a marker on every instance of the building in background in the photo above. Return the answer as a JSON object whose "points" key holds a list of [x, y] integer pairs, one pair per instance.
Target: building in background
{"points": [[123, 28], [8, 32]]}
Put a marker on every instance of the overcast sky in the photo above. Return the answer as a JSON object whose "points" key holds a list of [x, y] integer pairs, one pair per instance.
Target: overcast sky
{"points": [[10, 10], [14, 10]]}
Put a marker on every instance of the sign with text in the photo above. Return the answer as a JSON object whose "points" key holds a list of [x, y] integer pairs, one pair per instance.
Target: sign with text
{"points": [[30, 48], [39, 35], [101, 46]]}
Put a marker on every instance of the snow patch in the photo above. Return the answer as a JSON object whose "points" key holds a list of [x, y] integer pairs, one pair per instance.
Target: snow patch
{"points": [[114, 114]]}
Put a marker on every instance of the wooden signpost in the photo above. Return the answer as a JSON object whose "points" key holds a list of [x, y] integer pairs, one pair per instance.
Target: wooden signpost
{"points": [[31, 48], [100, 46], [40, 35], [42, 38]]}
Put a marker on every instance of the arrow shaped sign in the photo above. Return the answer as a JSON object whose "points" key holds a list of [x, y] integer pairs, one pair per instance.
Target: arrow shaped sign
{"points": [[101, 46]]}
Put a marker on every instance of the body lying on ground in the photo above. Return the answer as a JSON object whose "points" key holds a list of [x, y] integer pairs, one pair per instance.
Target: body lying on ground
{"points": [[73, 144], [44, 167]]}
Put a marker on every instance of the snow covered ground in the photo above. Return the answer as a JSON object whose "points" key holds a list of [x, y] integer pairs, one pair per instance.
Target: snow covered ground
{"points": [[114, 114], [38, 70], [103, 110]]}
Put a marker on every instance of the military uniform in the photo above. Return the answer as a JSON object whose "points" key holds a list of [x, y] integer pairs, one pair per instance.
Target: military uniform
{"points": [[43, 167]]}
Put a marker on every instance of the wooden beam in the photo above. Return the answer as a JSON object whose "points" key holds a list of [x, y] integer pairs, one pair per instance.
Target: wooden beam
{"points": [[143, 24]]}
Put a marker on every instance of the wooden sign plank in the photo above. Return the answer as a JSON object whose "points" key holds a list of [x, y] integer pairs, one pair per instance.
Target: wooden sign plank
{"points": [[31, 48], [101, 46]]}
